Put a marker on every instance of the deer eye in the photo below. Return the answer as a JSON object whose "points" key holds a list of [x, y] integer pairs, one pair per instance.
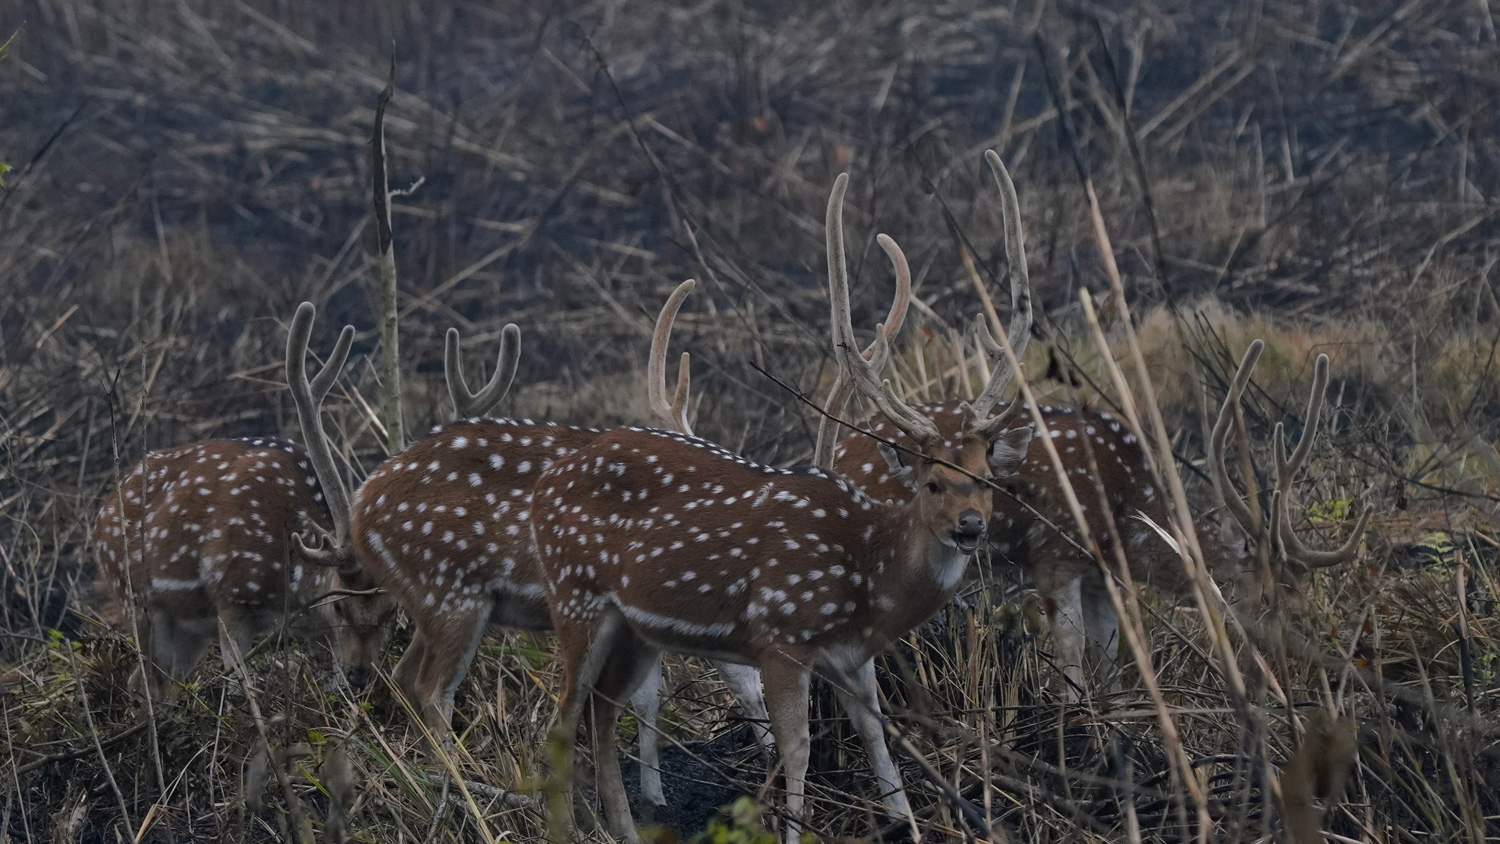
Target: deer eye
{"points": [[932, 487]]}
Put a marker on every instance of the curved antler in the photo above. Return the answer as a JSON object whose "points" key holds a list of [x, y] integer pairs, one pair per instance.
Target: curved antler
{"points": [[333, 549], [977, 418], [843, 388], [864, 372], [672, 414], [1286, 470], [1218, 441], [1284, 540], [468, 404]]}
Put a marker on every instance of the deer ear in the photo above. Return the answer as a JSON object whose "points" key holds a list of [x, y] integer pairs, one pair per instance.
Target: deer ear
{"points": [[1008, 451], [893, 463]]}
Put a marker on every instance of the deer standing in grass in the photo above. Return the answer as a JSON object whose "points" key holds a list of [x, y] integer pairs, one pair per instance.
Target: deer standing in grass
{"points": [[655, 541], [443, 527], [1045, 539], [201, 541], [1043, 536]]}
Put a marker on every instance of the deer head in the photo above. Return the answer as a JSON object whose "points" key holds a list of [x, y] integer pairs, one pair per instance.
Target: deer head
{"points": [[1289, 559], [941, 475], [359, 613]]}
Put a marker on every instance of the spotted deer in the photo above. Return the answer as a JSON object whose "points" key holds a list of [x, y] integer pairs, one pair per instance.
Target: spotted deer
{"points": [[655, 541], [1042, 536], [199, 542], [443, 529]]}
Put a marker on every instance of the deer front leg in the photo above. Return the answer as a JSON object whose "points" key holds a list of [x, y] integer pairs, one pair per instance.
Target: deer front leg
{"points": [[630, 662], [786, 684], [647, 704], [444, 665], [236, 634], [860, 700], [1103, 632], [743, 683], [583, 646], [1069, 636]]}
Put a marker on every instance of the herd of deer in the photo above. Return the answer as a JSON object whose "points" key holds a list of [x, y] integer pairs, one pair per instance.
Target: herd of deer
{"points": [[632, 542]]}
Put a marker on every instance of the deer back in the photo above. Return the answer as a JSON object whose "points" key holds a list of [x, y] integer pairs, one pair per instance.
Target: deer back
{"points": [[444, 525], [208, 525]]}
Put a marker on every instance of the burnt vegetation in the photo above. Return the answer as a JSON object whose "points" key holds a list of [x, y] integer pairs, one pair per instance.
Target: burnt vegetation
{"points": [[1322, 176]]}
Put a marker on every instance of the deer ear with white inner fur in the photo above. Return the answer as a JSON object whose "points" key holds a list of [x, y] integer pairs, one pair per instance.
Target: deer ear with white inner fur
{"points": [[895, 465], [1008, 450]]}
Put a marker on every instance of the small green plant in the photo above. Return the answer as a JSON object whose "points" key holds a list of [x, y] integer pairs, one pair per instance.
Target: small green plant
{"points": [[739, 823]]}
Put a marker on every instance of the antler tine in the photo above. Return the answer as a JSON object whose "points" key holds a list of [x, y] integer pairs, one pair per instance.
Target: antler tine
{"points": [[864, 373], [308, 396], [1286, 469], [467, 404], [1286, 472], [978, 416], [1218, 471], [672, 413], [843, 388]]}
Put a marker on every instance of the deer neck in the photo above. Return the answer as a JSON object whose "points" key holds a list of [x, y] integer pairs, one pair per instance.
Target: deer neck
{"points": [[913, 573]]}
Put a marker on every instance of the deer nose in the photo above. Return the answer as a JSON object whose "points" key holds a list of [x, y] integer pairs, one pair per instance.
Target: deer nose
{"points": [[971, 523], [358, 677]]}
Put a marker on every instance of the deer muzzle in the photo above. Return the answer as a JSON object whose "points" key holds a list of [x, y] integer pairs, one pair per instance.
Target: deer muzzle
{"points": [[969, 531]]}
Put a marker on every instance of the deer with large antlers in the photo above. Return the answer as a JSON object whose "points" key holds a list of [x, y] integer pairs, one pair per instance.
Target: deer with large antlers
{"points": [[1032, 524], [200, 542], [655, 541], [443, 528]]}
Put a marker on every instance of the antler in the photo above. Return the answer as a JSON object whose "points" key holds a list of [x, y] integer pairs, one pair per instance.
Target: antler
{"points": [[467, 404], [1284, 538], [843, 388], [863, 369], [977, 418], [672, 413], [328, 548]]}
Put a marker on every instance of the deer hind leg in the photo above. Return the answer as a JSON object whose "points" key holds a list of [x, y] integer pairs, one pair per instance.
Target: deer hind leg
{"points": [[630, 662], [647, 705], [862, 703], [445, 658], [786, 682], [743, 683]]}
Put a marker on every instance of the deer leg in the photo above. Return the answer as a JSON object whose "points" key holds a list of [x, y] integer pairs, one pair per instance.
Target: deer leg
{"points": [[1103, 633], [582, 646], [647, 704], [178, 648], [860, 700], [743, 683], [407, 668], [236, 634], [786, 685], [630, 662], [1065, 606], [443, 668]]}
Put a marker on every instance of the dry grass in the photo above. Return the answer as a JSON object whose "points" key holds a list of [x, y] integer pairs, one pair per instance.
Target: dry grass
{"points": [[1319, 175]]}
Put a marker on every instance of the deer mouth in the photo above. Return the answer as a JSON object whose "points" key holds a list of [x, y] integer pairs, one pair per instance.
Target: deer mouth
{"points": [[967, 542]]}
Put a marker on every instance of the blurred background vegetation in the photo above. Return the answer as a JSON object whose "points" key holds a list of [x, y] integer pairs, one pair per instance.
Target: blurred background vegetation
{"points": [[1322, 174]]}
